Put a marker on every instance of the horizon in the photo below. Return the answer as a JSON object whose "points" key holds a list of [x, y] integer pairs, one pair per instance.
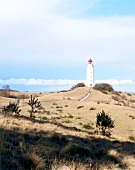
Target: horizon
{"points": [[55, 86], [44, 42]]}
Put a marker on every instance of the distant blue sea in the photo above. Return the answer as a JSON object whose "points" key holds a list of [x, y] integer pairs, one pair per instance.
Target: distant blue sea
{"points": [[39, 88], [51, 88]]}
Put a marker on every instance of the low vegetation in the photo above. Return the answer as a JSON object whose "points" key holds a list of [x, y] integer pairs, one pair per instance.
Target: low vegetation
{"points": [[5, 91], [34, 105], [78, 85], [88, 126], [79, 107], [132, 138], [10, 109], [103, 87], [61, 138], [104, 123]]}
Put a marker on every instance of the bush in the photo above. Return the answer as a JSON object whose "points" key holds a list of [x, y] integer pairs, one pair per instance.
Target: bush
{"points": [[104, 123], [78, 85], [10, 109], [5, 91], [103, 87], [34, 104]]}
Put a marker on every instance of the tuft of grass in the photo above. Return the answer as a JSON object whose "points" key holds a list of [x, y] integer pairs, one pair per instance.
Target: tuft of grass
{"points": [[78, 118], [44, 118], [57, 117], [132, 117], [75, 150], [123, 97], [35, 160], [132, 101], [60, 110], [132, 138], [116, 93], [54, 103], [92, 108], [79, 107], [116, 98], [58, 107], [67, 121], [118, 104], [88, 126], [70, 116], [129, 94]]}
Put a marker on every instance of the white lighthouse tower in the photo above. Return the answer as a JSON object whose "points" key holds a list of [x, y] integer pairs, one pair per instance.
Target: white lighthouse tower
{"points": [[90, 74]]}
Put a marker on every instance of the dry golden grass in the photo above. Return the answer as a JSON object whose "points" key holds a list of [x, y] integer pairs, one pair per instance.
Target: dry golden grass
{"points": [[63, 119]]}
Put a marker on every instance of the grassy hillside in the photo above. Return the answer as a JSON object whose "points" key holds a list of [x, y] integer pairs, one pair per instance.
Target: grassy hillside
{"points": [[62, 135]]}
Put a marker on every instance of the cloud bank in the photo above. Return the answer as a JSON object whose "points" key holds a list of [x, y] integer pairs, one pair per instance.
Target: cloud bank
{"points": [[39, 82], [34, 81]]}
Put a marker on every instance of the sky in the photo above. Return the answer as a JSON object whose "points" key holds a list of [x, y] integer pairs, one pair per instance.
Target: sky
{"points": [[48, 42]]}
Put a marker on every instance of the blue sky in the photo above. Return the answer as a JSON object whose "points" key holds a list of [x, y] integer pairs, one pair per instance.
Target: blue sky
{"points": [[48, 40]]}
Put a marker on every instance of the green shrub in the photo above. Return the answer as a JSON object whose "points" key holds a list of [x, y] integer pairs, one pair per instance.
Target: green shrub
{"points": [[35, 105], [104, 123], [103, 86], [78, 85], [10, 109]]}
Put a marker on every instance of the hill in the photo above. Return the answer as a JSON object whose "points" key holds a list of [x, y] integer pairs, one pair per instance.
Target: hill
{"points": [[62, 135]]}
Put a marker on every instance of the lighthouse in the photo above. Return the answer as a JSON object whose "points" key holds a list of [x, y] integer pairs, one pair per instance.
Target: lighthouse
{"points": [[90, 74]]}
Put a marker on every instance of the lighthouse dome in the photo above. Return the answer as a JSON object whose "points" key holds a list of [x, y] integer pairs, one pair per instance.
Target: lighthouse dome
{"points": [[90, 61]]}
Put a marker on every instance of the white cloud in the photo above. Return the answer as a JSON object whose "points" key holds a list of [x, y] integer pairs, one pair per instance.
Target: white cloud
{"points": [[50, 32], [106, 40], [34, 81], [39, 82], [119, 85], [116, 82]]}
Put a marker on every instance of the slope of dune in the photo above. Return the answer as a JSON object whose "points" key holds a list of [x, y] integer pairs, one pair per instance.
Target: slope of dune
{"points": [[59, 131]]}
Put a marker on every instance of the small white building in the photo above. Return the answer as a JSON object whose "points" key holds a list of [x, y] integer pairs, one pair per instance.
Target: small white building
{"points": [[90, 74]]}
